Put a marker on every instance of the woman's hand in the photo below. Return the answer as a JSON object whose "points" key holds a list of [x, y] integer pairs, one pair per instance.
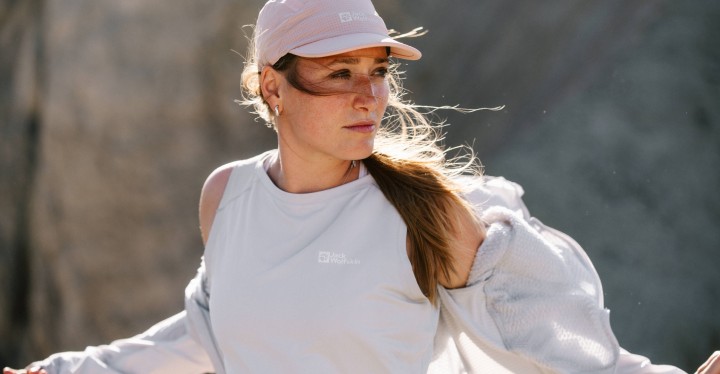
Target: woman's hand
{"points": [[32, 370], [711, 366]]}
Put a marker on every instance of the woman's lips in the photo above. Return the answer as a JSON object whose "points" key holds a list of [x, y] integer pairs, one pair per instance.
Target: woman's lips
{"points": [[363, 127]]}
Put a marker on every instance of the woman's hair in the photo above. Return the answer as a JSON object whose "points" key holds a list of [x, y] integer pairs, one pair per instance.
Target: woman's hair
{"points": [[410, 168]]}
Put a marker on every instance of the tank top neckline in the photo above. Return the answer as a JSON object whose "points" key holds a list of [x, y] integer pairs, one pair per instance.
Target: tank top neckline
{"points": [[347, 189]]}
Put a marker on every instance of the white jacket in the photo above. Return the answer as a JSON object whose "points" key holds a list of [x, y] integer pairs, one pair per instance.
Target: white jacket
{"points": [[533, 304]]}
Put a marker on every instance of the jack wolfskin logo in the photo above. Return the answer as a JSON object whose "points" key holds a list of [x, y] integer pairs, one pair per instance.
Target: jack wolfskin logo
{"points": [[335, 258], [352, 16]]}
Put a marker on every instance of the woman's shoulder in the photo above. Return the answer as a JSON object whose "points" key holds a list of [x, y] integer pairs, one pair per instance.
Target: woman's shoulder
{"points": [[468, 235], [214, 188], [210, 196]]}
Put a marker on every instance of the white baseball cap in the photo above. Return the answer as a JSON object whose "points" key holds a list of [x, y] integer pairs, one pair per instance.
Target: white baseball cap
{"points": [[319, 28]]}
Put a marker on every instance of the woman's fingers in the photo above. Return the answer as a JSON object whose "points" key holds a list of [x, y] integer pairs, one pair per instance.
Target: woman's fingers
{"points": [[32, 370], [711, 366]]}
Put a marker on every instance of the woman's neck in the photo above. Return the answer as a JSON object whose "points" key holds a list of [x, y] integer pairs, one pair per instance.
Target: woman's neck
{"points": [[295, 175]]}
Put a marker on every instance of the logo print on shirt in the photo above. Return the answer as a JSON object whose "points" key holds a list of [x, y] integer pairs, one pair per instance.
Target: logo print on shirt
{"points": [[326, 257]]}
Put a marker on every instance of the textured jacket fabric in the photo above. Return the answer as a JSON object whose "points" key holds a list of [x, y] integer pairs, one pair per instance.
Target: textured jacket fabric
{"points": [[533, 304]]}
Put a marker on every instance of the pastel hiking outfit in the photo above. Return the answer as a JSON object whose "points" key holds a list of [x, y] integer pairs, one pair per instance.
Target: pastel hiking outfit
{"points": [[533, 303]]}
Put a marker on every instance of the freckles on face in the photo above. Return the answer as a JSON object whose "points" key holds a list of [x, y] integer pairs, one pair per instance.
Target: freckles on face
{"points": [[346, 98]]}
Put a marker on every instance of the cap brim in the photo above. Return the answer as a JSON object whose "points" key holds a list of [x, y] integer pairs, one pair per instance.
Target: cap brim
{"points": [[351, 42]]}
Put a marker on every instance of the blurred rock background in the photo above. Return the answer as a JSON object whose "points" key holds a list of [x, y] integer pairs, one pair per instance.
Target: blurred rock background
{"points": [[112, 113]]}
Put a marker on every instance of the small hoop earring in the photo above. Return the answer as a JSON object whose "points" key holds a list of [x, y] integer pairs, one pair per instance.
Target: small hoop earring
{"points": [[277, 110]]}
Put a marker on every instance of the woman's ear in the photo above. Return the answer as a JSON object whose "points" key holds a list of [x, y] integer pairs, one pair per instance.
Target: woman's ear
{"points": [[270, 80]]}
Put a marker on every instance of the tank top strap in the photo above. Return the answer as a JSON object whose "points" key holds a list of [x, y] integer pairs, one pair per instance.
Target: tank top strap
{"points": [[241, 176]]}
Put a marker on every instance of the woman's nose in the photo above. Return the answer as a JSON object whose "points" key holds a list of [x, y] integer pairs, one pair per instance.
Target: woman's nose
{"points": [[366, 92]]}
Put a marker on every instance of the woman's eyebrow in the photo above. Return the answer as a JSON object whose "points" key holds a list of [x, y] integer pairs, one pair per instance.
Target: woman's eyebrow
{"points": [[345, 60]]}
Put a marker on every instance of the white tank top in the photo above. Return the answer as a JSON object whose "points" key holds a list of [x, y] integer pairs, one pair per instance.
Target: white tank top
{"points": [[314, 283]]}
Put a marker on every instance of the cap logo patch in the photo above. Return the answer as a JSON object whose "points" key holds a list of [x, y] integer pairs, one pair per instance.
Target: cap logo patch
{"points": [[352, 16]]}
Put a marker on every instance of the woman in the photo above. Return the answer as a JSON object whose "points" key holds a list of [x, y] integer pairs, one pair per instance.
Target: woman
{"points": [[355, 247]]}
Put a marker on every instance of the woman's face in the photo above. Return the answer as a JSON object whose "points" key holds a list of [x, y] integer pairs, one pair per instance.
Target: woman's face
{"points": [[341, 122]]}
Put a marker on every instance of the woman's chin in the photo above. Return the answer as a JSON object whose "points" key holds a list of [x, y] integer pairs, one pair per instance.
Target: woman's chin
{"points": [[364, 154]]}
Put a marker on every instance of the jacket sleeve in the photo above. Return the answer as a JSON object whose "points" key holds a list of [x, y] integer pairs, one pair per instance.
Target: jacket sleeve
{"points": [[170, 346], [534, 293]]}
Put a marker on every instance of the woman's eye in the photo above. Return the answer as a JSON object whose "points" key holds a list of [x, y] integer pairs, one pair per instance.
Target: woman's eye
{"points": [[382, 72], [342, 74]]}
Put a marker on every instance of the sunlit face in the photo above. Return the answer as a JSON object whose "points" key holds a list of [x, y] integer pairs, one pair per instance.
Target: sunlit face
{"points": [[342, 122]]}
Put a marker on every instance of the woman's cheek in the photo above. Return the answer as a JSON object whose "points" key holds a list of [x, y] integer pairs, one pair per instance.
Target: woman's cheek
{"points": [[382, 92]]}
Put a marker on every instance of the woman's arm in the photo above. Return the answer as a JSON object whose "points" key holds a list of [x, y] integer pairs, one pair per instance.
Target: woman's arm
{"points": [[175, 345], [164, 348], [533, 293], [468, 235]]}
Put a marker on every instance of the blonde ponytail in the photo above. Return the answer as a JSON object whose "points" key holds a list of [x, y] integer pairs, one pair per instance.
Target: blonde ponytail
{"points": [[427, 201]]}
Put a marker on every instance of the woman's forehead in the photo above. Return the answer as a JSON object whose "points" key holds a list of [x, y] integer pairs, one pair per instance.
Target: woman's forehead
{"points": [[377, 53]]}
